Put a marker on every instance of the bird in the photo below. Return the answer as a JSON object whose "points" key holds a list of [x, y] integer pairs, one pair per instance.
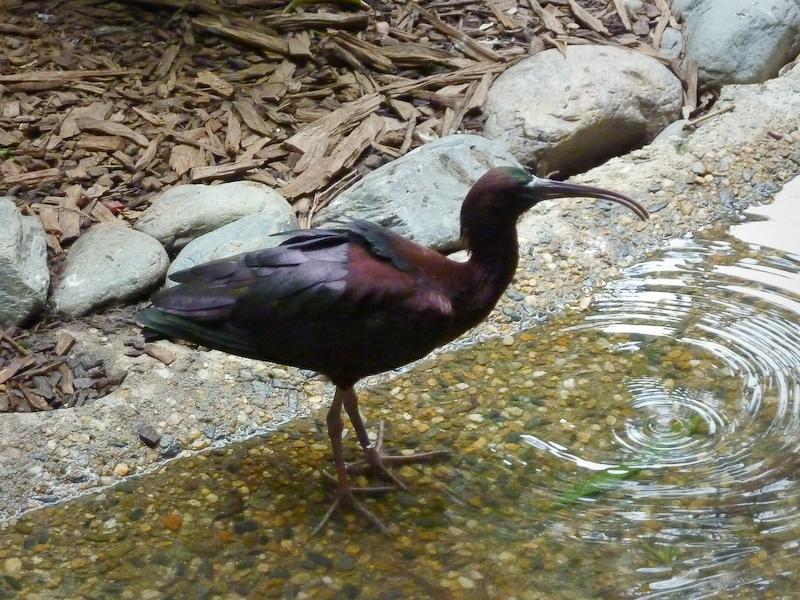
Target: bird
{"points": [[358, 299]]}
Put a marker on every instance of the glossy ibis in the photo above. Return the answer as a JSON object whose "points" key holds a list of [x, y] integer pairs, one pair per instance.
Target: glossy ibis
{"points": [[358, 300]]}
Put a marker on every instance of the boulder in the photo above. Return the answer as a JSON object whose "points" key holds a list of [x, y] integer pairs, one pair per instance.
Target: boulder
{"points": [[419, 195], [568, 113], [109, 263], [244, 235], [186, 212], [23, 264], [740, 41]]}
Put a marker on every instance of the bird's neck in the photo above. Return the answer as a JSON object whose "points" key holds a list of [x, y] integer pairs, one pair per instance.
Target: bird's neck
{"points": [[494, 253]]}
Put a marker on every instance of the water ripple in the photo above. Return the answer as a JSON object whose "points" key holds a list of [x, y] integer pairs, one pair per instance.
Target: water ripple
{"points": [[706, 444]]}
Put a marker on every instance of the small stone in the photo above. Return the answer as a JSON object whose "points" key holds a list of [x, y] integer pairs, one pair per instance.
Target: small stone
{"points": [[508, 340], [172, 522], [466, 582], [698, 168], [300, 578], [121, 470], [149, 436], [12, 565]]}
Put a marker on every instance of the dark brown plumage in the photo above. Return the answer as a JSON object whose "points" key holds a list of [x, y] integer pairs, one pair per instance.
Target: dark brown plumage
{"points": [[358, 300]]}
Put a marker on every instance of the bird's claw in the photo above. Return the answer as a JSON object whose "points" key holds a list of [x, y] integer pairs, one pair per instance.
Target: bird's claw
{"points": [[379, 462], [365, 490], [346, 497]]}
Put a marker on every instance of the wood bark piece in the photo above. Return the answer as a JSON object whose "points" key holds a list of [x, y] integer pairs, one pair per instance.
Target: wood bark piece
{"points": [[64, 342], [95, 110], [348, 151], [588, 19], [300, 45], [149, 154], [15, 366], [215, 82], [365, 52], [411, 54], [223, 171], [253, 149], [102, 143], [505, 20], [278, 82], [233, 134], [62, 76], [70, 215], [320, 20], [478, 99], [251, 117], [111, 128], [335, 122], [164, 65], [622, 11], [690, 101], [252, 72], [345, 154], [102, 214], [468, 45], [549, 20], [49, 218], [663, 6], [191, 6], [183, 158], [18, 30], [34, 178], [314, 154], [246, 35], [470, 73], [658, 34], [67, 379]]}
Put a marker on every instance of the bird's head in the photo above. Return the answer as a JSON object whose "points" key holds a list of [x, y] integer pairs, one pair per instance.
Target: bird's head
{"points": [[513, 190], [501, 195]]}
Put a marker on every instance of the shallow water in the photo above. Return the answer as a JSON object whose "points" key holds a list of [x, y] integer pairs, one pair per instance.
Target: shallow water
{"points": [[644, 448]]}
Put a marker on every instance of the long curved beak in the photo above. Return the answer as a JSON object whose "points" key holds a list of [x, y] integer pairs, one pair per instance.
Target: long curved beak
{"points": [[547, 189]]}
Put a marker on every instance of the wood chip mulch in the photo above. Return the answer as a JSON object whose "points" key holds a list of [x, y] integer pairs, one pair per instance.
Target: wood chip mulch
{"points": [[105, 104]]}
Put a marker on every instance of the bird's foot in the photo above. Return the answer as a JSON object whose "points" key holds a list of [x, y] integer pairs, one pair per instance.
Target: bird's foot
{"points": [[379, 462], [368, 490], [346, 497]]}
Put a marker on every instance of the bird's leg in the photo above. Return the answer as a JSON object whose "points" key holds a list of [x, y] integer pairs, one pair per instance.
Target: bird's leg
{"points": [[344, 492], [374, 452]]}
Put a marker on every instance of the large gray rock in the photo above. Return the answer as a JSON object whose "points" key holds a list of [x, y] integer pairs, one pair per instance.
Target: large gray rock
{"points": [[109, 263], [249, 233], [185, 212], [567, 113], [419, 195], [23, 265], [740, 41]]}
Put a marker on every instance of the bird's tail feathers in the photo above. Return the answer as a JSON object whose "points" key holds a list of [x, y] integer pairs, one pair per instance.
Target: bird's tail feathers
{"points": [[158, 324]]}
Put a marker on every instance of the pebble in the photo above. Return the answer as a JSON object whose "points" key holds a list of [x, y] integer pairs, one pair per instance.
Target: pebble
{"points": [[149, 436], [121, 470], [698, 168], [466, 582], [12, 565], [172, 522]]}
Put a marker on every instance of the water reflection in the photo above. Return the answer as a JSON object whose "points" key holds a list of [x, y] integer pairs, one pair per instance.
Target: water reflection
{"points": [[647, 448]]}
